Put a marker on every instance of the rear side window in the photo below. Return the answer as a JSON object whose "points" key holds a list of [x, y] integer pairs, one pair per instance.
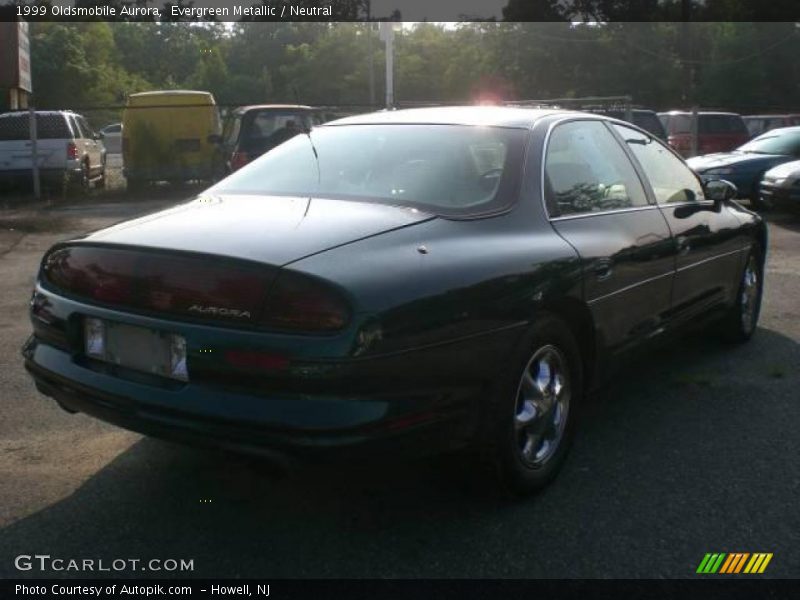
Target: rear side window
{"points": [[719, 124], [48, 127], [587, 171], [672, 181], [85, 129]]}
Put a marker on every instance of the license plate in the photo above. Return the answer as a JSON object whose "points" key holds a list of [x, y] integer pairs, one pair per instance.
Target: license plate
{"points": [[146, 350]]}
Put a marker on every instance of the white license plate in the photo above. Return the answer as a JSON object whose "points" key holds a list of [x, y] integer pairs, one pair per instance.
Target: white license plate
{"points": [[138, 348]]}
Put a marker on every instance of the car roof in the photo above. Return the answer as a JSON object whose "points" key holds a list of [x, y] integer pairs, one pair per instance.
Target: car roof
{"points": [[700, 112], [494, 116], [772, 116], [18, 113], [792, 129], [250, 107]]}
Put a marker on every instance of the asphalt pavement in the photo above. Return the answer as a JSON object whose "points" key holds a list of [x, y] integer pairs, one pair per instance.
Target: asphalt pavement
{"points": [[693, 449]]}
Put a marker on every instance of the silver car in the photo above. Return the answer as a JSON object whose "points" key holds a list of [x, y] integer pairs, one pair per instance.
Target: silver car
{"points": [[781, 185], [112, 138]]}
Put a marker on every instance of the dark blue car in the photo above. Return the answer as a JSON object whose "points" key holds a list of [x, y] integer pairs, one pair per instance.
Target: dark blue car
{"points": [[746, 165]]}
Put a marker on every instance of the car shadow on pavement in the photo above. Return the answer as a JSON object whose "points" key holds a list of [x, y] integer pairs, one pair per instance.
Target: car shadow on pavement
{"points": [[692, 450]]}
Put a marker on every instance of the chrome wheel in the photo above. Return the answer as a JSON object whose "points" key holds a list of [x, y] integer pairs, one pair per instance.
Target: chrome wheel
{"points": [[749, 297], [542, 405]]}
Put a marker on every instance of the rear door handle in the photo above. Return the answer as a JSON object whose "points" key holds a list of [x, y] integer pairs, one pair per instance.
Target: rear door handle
{"points": [[603, 269], [684, 244]]}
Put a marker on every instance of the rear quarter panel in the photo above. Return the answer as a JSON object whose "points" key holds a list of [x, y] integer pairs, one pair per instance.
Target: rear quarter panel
{"points": [[477, 286]]}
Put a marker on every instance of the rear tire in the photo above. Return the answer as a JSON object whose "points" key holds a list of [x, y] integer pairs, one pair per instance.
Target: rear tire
{"points": [[740, 323], [82, 185], [533, 413]]}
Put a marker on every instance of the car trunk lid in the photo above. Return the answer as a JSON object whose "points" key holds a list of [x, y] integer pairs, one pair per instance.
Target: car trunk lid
{"points": [[266, 229]]}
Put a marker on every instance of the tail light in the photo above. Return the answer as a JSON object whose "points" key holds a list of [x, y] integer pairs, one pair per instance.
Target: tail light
{"points": [[238, 160], [72, 151], [196, 287], [178, 285], [299, 303]]}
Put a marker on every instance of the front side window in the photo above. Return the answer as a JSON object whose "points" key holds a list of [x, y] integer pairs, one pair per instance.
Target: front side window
{"points": [[587, 171], [672, 181], [450, 170]]}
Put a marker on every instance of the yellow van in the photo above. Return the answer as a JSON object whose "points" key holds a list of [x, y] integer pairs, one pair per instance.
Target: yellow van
{"points": [[170, 136]]}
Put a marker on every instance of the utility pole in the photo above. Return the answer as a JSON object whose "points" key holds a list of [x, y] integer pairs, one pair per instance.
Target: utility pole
{"points": [[387, 35], [689, 70], [34, 136], [371, 54]]}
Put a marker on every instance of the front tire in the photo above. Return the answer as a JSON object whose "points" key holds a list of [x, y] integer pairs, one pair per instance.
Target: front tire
{"points": [[740, 323], [534, 410]]}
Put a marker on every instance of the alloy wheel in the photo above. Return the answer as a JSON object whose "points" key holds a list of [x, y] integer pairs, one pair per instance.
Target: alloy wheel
{"points": [[543, 397], [749, 295]]}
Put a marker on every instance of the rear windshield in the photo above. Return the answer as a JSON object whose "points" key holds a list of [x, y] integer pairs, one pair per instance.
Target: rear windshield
{"points": [[48, 127], [444, 169], [272, 126]]}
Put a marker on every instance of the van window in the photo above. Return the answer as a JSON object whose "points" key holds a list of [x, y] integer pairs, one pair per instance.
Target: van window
{"points": [[48, 127], [716, 124]]}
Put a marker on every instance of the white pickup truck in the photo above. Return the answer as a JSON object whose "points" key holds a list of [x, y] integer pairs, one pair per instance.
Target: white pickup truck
{"points": [[69, 153]]}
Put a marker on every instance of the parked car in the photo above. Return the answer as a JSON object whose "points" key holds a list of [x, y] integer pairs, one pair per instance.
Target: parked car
{"points": [[112, 138], [746, 165], [253, 130], [716, 131], [401, 282], [69, 152], [170, 136], [646, 119], [781, 185], [758, 124]]}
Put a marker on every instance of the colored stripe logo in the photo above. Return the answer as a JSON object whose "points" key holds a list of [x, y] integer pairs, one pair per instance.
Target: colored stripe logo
{"points": [[734, 562]]}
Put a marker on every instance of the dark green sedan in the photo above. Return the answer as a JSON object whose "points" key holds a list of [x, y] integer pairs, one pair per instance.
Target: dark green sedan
{"points": [[398, 284]]}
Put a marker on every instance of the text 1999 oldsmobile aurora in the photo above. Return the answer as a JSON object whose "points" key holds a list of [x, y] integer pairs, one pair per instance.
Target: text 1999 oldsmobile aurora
{"points": [[409, 281]]}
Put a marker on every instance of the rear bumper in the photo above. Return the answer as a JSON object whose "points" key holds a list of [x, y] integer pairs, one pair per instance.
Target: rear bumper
{"points": [[189, 172], [24, 177], [285, 428]]}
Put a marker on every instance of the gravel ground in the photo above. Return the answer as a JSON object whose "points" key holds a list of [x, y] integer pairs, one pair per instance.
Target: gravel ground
{"points": [[694, 450]]}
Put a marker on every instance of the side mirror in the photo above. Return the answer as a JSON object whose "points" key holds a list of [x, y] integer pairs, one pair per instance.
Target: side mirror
{"points": [[97, 136], [720, 190], [214, 138]]}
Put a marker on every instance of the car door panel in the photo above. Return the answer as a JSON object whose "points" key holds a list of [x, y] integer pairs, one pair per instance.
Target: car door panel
{"points": [[709, 246], [628, 269], [707, 238], [598, 204]]}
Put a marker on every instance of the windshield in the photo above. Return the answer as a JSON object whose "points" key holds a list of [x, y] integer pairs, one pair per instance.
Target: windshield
{"points": [[444, 169], [774, 142]]}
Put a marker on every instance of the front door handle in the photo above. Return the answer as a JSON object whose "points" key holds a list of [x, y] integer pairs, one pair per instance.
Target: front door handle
{"points": [[603, 269]]}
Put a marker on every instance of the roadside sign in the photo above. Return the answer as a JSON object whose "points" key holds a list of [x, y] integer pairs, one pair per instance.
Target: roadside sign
{"points": [[15, 56]]}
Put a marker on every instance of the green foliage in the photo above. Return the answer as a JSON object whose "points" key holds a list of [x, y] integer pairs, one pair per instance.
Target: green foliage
{"points": [[742, 66]]}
